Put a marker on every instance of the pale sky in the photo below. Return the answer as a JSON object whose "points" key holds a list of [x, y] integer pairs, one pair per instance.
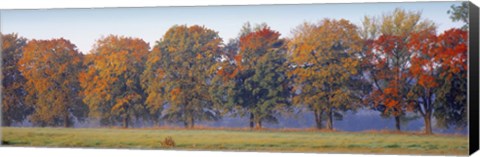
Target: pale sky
{"points": [[83, 26]]}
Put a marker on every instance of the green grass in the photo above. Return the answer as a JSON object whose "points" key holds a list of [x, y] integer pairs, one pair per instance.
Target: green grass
{"points": [[239, 140]]}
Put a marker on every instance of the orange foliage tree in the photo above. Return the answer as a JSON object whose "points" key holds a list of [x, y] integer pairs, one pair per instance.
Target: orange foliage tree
{"points": [[111, 81], [326, 59], [51, 68]]}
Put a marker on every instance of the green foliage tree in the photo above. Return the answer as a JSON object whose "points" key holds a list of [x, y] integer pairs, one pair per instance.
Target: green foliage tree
{"points": [[111, 81], [14, 108], [254, 78], [460, 13], [51, 68], [454, 110], [178, 74], [326, 60]]}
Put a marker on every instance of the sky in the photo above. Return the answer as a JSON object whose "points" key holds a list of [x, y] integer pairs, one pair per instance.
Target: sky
{"points": [[84, 26]]}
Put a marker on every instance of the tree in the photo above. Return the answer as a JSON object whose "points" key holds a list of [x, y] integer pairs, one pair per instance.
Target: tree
{"points": [[254, 78], [438, 64], [111, 82], [153, 86], [179, 72], [14, 108], [51, 69], [325, 57], [460, 13], [454, 112], [388, 58]]}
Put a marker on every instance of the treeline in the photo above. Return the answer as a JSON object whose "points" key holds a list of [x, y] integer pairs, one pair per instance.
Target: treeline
{"points": [[396, 63]]}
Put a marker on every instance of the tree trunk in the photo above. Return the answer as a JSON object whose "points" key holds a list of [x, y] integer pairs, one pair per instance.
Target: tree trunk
{"points": [[258, 125], [397, 123], [66, 120], [252, 123], [329, 119], [192, 122], [138, 122], [318, 118], [428, 122], [157, 122], [125, 121], [186, 118]]}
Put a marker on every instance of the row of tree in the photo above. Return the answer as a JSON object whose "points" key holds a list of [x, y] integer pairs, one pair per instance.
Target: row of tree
{"points": [[394, 64]]}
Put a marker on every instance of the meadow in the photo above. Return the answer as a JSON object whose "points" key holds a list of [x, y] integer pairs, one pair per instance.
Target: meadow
{"points": [[308, 141]]}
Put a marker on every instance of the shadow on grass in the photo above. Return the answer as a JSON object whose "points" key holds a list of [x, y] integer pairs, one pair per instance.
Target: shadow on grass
{"points": [[392, 146], [5, 142]]}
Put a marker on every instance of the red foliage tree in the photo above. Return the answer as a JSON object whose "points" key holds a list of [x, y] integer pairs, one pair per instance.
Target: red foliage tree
{"points": [[437, 60]]}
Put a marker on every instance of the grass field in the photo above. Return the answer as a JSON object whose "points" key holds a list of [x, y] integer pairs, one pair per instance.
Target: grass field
{"points": [[239, 140]]}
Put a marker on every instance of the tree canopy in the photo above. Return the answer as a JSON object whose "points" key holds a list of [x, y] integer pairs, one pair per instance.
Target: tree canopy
{"points": [[460, 13], [51, 68], [111, 81], [387, 57], [14, 108], [255, 77], [437, 67], [325, 60], [179, 73]]}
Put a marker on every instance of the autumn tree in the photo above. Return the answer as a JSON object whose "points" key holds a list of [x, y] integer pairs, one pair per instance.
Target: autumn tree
{"points": [[439, 68], [111, 82], [326, 59], [387, 57], [179, 72], [14, 108], [254, 77], [51, 69]]}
